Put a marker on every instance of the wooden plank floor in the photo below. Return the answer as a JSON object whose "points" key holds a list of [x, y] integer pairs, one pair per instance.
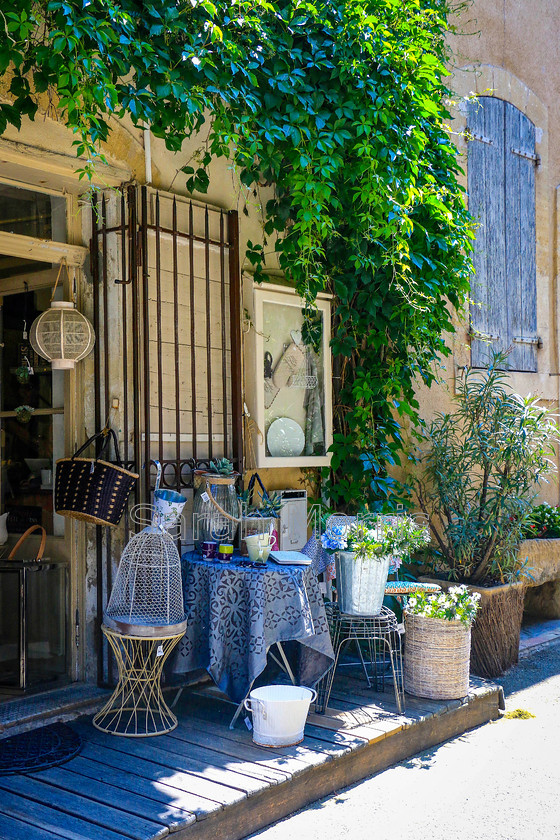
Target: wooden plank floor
{"points": [[204, 781]]}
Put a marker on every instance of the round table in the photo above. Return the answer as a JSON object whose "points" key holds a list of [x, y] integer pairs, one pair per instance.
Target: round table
{"points": [[236, 611]]}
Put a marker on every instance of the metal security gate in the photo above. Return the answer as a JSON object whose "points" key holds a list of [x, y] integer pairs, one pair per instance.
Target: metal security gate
{"points": [[167, 315]]}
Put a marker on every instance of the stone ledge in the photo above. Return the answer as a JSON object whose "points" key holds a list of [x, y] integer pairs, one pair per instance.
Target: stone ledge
{"points": [[543, 560]]}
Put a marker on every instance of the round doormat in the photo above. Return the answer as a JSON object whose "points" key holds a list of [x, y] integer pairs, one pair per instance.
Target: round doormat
{"points": [[38, 749]]}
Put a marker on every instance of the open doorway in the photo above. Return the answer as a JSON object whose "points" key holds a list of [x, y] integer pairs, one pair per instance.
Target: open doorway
{"points": [[32, 418], [34, 596]]}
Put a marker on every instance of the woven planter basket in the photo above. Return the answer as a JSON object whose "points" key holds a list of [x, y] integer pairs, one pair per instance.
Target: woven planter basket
{"points": [[436, 657], [495, 633]]}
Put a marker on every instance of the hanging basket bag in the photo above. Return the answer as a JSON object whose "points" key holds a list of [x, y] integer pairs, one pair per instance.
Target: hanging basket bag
{"points": [[91, 489], [254, 523]]}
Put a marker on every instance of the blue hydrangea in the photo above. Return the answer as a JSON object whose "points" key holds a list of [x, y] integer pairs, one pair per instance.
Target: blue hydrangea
{"points": [[335, 538]]}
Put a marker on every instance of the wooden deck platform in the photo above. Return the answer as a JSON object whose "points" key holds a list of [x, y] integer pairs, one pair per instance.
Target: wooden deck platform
{"points": [[206, 781]]}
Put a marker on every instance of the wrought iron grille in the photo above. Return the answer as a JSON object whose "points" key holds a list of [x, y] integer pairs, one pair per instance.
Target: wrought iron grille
{"points": [[167, 316]]}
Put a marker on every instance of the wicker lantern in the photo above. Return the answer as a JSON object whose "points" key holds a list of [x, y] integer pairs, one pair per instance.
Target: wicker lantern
{"points": [[62, 335]]}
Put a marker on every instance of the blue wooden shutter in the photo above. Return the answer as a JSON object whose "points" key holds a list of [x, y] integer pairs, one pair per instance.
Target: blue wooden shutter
{"points": [[521, 239], [501, 186], [487, 205]]}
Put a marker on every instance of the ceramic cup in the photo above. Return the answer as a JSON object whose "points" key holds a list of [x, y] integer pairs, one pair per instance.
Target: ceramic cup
{"points": [[259, 546], [225, 552], [168, 507]]}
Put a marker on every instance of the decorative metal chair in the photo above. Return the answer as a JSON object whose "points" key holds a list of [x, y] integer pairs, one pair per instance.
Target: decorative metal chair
{"points": [[382, 635]]}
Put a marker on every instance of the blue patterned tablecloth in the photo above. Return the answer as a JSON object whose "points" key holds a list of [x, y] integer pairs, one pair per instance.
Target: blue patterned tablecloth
{"points": [[236, 612]]}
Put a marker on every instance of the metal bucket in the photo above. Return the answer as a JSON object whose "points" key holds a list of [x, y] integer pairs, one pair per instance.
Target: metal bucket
{"points": [[279, 714], [360, 584], [168, 507]]}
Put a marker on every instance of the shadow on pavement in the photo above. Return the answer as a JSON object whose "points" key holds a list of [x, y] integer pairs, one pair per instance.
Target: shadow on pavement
{"points": [[535, 667]]}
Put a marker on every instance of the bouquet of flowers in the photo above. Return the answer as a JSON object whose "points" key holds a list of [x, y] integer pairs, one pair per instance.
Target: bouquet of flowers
{"points": [[376, 537]]}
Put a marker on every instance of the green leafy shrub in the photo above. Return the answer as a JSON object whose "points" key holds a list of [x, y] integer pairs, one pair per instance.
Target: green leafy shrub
{"points": [[457, 604], [340, 110], [482, 466], [543, 522]]}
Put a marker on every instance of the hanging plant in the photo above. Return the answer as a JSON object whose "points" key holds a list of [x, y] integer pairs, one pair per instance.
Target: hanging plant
{"points": [[24, 372], [24, 413]]}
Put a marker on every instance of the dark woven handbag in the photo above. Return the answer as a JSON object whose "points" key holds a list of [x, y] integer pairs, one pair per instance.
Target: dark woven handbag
{"points": [[91, 489]]}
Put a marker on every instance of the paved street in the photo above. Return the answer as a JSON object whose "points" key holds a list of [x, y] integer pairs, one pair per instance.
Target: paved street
{"points": [[498, 782]]}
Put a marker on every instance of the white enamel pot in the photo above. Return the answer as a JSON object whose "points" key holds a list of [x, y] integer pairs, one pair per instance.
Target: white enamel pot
{"points": [[279, 713]]}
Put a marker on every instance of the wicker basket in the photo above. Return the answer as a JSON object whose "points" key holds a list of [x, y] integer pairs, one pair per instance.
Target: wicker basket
{"points": [[436, 657], [90, 489]]}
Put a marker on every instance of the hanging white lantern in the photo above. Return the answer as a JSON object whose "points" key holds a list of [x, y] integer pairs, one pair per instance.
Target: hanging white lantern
{"points": [[62, 334]]}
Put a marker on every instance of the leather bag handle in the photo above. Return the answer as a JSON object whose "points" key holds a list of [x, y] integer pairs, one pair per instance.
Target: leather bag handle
{"points": [[107, 434], [215, 503], [24, 536]]}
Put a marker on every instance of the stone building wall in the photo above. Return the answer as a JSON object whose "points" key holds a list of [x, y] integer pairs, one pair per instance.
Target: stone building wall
{"points": [[510, 50]]}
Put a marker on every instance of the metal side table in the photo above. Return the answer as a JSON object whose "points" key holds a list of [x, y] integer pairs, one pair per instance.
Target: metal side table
{"points": [[382, 634], [136, 707]]}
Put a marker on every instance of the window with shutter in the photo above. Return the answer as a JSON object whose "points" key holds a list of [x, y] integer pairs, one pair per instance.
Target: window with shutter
{"points": [[501, 187]]}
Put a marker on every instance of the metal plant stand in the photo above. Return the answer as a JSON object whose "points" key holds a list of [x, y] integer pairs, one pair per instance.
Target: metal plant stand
{"points": [[137, 708], [381, 632]]}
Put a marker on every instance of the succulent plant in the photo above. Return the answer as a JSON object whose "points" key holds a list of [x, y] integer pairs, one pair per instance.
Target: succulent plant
{"points": [[274, 503], [266, 506], [220, 466]]}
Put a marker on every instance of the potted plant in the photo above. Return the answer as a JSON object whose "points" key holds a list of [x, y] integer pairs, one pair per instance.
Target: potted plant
{"points": [[480, 470], [365, 551], [259, 512], [438, 643]]}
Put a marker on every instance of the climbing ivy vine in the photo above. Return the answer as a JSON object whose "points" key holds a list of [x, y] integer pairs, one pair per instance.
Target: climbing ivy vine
{"points": [[340, 105]]}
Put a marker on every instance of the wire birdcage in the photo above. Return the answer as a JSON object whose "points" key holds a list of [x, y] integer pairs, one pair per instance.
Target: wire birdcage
{"points": [[147, 595]]}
